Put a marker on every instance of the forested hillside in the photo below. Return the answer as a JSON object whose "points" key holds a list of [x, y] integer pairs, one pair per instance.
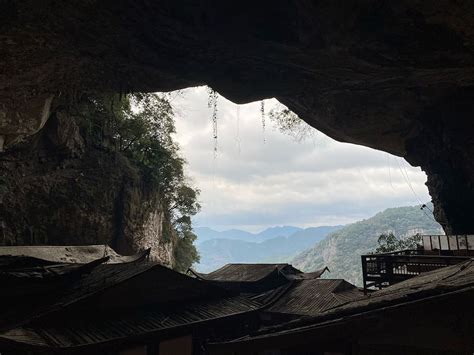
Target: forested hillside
{"points": [[340, 251]]}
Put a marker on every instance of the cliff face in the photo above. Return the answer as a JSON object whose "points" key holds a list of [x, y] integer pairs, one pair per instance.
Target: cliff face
{"points": [[392, 75], [64, 186]]}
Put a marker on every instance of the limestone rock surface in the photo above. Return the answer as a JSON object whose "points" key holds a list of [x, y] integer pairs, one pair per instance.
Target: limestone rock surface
{"points": [[59, 188]]}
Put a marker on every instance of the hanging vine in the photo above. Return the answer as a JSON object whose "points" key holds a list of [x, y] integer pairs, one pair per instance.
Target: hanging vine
{"points": [[262, 111], [212, 104]]}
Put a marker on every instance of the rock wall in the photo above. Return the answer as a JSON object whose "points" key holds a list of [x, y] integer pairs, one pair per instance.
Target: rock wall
{"points": [[371, 72], [61, 187]]}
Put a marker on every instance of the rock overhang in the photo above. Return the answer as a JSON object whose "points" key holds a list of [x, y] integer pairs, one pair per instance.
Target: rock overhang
{"points": [[395, 76]]}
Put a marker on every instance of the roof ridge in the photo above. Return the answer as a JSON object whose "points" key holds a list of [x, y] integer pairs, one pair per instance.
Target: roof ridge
{"points": [[255, 264], [53, 246]]}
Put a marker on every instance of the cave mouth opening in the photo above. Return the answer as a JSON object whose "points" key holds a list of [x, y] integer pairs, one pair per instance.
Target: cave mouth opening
{"points": [[272, 169]]}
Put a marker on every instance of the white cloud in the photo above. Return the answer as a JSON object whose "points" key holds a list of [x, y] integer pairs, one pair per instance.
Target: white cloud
{"points": [[260, 178]]}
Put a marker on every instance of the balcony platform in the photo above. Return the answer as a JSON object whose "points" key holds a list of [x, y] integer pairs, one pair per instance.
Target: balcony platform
{"points": [[437, 251]]}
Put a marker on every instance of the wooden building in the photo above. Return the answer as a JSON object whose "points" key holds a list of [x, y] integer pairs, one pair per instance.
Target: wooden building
{"points": [[133, 307], [254, 278], [431, 313], [88, 302], [287, 293], [437, 251], [63, 301]]}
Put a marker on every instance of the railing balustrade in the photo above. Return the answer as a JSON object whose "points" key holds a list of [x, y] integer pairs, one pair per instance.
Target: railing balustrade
{"points": [[458, 244], [381, 270]]}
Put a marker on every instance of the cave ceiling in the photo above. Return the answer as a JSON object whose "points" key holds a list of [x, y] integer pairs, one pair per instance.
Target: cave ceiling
{"points": [[392, 75]]}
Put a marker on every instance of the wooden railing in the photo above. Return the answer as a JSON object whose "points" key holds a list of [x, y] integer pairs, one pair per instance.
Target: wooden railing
{"points": [[449, 244], [381, 270]]}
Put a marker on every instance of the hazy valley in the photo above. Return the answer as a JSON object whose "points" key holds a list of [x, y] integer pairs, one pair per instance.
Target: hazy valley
{"points": [[337, 247]]}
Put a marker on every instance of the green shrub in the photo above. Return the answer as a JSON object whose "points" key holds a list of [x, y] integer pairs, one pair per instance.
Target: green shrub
{"points": [[389, 243]]}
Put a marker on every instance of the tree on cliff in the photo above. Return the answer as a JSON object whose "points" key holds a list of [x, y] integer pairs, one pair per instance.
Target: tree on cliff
{"points": [[389, 243], [140, 126], [289, 123]]}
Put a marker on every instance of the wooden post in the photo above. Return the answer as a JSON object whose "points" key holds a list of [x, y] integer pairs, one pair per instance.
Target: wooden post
{"points": [[389, 267], [364, 272]]}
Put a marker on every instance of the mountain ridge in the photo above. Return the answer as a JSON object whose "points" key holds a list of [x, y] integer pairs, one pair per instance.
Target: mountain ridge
{"points": [[216, 252], [340, 251], [207, 233]]}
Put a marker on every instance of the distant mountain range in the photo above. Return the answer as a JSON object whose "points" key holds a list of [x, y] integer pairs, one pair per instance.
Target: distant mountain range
{"points": [[275, 244], [205, 233], [340, 251]]}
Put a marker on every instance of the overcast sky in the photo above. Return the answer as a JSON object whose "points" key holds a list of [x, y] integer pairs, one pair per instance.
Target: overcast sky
{"points": [[261, 178]]}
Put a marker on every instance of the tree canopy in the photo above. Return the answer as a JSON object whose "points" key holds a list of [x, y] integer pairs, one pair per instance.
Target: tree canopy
{"points": [[388, 242], [289, 123]]}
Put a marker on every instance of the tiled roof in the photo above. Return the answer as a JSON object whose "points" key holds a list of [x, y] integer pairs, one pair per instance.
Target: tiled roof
{"points": [[309, 297], [138, 298], [247, 272], [22, 302], [31, 299], [65, 254], [269, 296], [441, 282], [92, 330]]}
